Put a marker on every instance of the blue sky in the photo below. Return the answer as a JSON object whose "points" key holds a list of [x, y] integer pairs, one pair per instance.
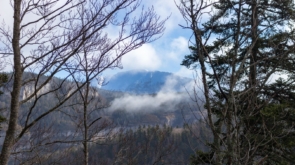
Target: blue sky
{"points": [[164, 54]]}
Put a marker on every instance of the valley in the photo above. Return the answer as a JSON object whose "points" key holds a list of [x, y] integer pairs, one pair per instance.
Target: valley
{"points": [[113, 112]]}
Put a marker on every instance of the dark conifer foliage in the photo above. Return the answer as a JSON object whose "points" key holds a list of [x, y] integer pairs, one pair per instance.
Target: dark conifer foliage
{"points": [[242, 50], [3, 80]]}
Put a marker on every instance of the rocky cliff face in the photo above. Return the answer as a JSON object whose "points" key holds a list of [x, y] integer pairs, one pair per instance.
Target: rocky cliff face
{"points": [[29, 89], [56, 88]]}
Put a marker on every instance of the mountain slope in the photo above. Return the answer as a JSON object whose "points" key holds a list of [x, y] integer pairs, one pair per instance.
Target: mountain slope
{"points": [[146, 82]]}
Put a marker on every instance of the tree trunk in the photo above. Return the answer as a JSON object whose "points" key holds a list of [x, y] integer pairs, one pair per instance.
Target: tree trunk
{"points": [[10, 133], [253, 58], [85, 109]]}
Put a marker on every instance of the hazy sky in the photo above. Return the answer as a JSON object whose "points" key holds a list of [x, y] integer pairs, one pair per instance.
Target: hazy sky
{"points": [[165, 54]]}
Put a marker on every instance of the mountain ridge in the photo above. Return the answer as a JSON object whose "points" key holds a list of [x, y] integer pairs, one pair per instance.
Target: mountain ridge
{"points": [[146, 82]]}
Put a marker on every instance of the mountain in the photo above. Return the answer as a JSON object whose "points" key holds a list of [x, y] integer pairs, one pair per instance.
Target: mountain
{"points": [[133, 97], [146, 82]]}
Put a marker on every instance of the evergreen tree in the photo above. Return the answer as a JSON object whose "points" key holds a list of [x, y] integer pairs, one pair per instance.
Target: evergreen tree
{"points": [[3, 80], [250, 115]]}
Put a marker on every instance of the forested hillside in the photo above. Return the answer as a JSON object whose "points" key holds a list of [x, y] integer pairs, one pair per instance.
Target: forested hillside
{"points": [[113, 132], [237, 107]]}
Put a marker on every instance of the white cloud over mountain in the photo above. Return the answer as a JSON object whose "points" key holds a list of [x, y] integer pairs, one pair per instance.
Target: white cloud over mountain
{"points": [[166, 96], [144, 57]]}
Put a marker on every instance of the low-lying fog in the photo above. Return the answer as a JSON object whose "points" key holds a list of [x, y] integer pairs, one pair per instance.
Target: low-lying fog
{"points": [[166, 97]]}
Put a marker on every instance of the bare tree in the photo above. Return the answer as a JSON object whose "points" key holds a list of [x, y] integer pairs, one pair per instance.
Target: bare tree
{"points": [[86, 107], [240, 46], [49, 37]]}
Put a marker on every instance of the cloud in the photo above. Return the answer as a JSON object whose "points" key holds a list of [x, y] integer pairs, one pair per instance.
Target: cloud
{"points": [[167, 98], [185, 72], [178, 48], [6, 13], [180, 44], [135, 103], [144, 57], [277, 76], [167, 8]]}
